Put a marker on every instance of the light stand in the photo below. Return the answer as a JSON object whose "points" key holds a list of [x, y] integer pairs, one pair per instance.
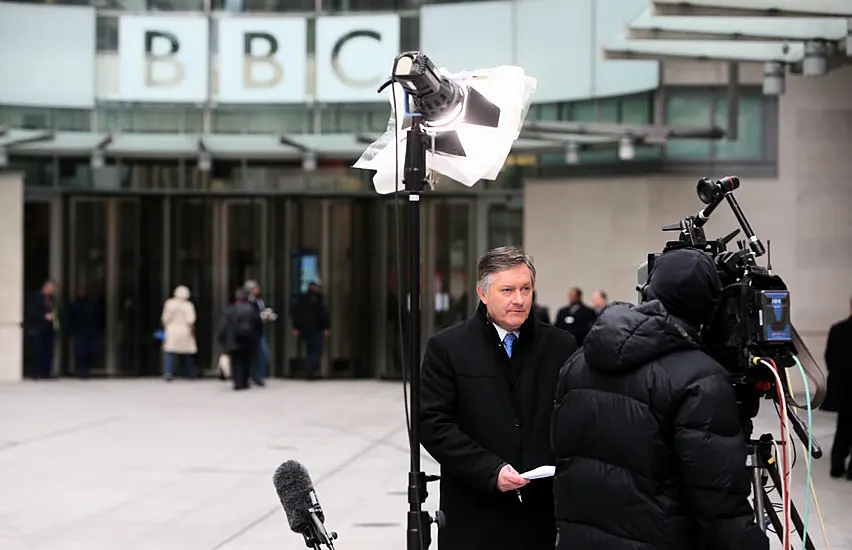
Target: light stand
{"points": [[471, 122], [419, 535]]}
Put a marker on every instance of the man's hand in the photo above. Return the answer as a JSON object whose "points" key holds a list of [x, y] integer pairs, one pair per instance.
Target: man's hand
{"points": [[509, 479]]}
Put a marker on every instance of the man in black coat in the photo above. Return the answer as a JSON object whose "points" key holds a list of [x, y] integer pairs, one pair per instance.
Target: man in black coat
{"points": [[486, 395], [838, 360], [239, 333], [576, 318], [647, 435]]}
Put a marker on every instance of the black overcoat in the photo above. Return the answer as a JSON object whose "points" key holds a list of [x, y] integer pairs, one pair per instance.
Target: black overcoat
{"points": [[481, 410]]}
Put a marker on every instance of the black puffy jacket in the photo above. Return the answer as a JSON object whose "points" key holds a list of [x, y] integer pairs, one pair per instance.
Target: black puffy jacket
{"points": [[649, 448]]}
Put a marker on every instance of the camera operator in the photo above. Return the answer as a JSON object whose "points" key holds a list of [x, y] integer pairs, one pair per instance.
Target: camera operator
{"points": [[648, 441], [486, 394]]}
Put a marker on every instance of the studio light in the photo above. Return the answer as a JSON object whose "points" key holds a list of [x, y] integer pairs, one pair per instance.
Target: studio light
{"points": [[774, 81], [460, 125], [471, 118], [815, 62], [626, 149], [572, 153]]}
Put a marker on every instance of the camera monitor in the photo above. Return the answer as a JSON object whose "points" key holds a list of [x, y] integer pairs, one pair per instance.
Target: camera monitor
{"points": [[774, 315]]}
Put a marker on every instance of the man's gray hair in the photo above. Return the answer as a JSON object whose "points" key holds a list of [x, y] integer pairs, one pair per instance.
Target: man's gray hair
{"points": [[500, 259]]}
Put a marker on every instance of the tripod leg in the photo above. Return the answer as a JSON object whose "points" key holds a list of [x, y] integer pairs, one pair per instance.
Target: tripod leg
{"points": [[757, 487], [772, 515], [794, 513], [800, 526]]}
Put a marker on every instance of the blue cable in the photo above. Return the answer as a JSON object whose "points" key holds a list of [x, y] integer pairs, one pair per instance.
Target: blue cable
{"points": [[810, 459]]}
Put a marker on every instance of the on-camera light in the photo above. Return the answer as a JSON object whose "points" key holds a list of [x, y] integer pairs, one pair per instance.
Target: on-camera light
{"points": [[471, 118]]}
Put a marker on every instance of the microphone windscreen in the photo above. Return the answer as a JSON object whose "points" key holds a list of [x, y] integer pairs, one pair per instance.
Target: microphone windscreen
{"points": [[293, 485]]}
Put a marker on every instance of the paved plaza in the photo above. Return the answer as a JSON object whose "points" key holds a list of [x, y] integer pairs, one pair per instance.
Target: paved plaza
{"points": [[141, 464]]}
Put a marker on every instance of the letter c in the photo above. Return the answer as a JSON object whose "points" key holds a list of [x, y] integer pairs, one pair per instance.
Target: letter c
{"points": [[335, 59]]}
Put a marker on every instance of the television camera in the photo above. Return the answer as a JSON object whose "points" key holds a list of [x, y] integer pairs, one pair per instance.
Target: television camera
{"points": [[750, 329]]}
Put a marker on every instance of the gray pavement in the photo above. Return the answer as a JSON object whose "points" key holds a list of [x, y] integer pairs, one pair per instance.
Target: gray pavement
{"points": [[141, 464]]}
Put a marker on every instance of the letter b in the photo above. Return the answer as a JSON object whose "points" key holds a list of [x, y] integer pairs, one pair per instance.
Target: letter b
{"points": [[252, 60], [153, 60]]}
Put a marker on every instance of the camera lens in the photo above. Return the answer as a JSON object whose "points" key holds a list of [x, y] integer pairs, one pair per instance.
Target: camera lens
{"points": [[707, 190]]}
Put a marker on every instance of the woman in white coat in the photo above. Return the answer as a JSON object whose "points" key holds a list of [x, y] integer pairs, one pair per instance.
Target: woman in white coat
{"points": [[179, 326]]}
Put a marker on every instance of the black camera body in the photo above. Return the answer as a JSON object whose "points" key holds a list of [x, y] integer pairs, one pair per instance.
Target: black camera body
{"points": [[752, 319]]}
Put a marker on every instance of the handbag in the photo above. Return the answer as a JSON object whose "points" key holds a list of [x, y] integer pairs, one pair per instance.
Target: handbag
{"points": [[224, 366]]}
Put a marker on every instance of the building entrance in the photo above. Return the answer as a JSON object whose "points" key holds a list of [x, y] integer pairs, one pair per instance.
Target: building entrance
{"points": [[130, 253], [115, 260]]}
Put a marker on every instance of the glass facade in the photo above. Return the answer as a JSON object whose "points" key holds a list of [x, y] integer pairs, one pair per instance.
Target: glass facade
{"points": [[709, 106], [130, 251]]}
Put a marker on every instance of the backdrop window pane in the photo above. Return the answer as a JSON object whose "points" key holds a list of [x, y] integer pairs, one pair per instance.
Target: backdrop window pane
{"points": [[607, 110], [749, 142], [636, 110], [688, 110], [548, 111], [584, 111]]}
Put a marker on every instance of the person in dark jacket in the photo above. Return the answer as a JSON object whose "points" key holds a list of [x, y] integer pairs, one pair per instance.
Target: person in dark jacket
{"points": [[647, 434], [838, 361], [239, 333], [86, 326], [42, 326], [576, 318], [486, 393], [311, 325]]}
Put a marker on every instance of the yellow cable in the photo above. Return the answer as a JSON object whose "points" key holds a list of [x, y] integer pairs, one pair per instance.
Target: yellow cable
{"points": [[809, 458]]}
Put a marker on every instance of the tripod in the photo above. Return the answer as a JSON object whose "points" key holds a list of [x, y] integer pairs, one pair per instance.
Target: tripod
{"points": [[760, 462]]}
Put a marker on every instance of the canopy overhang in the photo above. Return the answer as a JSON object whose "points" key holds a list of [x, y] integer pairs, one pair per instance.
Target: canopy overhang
{"points": [[537, 137], [810, 37], [774, 8]]}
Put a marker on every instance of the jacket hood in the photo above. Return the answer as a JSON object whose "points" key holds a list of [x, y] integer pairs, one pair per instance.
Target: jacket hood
{"points": [[626, 337], [686, 282]]}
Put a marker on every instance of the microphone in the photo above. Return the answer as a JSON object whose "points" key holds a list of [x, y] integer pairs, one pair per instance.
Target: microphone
{"points": [[304, 513]]}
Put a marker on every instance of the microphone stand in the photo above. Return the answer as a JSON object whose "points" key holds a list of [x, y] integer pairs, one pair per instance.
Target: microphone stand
{"points": [[316, 536]]}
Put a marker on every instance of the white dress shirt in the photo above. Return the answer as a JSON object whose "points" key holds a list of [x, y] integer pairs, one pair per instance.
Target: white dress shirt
{"points": [[501, 332]]}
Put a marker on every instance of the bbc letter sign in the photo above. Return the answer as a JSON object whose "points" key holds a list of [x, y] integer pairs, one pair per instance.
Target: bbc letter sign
{"points": [[354, 55], [162, 59], [262, 60]]}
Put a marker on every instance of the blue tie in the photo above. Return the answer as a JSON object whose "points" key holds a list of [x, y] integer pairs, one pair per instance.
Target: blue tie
{"points": [[509, 341]]}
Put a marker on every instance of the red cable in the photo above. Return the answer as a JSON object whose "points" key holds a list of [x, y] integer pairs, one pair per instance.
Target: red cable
{"points": [[785, 485]]}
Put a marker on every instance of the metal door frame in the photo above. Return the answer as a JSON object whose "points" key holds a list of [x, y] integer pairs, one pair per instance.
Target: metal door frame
{"points": [[222, 295], [56, 233], [112, 258], [429, 244], [55, 261], [292, 348]]}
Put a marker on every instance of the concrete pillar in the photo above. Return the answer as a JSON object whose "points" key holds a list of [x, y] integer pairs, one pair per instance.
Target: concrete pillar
{"points": [[11, 275]]}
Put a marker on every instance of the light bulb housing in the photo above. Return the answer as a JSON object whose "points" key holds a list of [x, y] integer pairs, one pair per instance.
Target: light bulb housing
{"points": [[205, 163], [626, 149], [97, 160], [572, 153], [815, 62], [774, 78]]}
